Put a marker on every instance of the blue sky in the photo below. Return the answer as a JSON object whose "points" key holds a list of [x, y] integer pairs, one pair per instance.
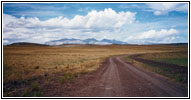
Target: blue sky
{"points": [[129, 22]]}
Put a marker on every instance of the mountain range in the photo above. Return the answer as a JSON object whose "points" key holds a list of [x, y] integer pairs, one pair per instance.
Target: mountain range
{"points": [[85, 41]]}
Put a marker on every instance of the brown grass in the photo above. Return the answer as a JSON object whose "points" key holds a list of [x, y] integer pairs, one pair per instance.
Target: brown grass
{"points": [[23, 62], [33, 70]]}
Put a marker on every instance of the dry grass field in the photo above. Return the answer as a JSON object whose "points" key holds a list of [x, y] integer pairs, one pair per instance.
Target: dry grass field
{"points": [[22, 63]]}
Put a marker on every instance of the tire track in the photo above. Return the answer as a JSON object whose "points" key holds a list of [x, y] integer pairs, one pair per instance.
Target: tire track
{"points": [[116, 78]]}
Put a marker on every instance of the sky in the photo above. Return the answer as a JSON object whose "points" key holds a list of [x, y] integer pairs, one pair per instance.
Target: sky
{"points": [[136, 23]]}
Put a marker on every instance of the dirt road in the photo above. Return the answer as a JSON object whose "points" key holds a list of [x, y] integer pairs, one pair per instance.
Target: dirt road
{"points": [[116, 78]]}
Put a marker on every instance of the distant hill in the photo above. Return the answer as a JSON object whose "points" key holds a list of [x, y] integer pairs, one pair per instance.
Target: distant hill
{"points": [[183, 44], [85, 41], [150, 43], [90, 41], [178, 44], [26, 44]]}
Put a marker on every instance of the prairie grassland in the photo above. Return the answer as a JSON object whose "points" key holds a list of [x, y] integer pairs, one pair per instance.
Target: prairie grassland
{"points": [[24, 62], [179, 58], [172, 64]]}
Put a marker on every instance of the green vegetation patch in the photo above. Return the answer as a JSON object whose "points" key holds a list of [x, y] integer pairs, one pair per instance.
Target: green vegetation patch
{"points": [[178, 58], [68, 77], [177, 61], [171, 73]]}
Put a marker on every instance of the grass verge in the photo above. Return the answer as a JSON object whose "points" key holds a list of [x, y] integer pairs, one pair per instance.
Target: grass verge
{"points": [[172, 73]]}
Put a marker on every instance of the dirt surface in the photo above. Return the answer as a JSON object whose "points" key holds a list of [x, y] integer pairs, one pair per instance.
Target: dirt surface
{"points": [[114, 78]]}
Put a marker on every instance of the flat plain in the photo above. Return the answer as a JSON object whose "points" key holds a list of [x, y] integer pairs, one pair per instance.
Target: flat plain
{"points": [[32, 70]]}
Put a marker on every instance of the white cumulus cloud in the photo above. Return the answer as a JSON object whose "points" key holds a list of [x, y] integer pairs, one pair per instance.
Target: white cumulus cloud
{"points": [[35, 30], [165, 8], [5, 41], [107, 18], [153, 36]]}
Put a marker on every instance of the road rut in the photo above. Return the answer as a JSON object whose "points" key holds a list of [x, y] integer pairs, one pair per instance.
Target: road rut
{"points": [[116, 78]]}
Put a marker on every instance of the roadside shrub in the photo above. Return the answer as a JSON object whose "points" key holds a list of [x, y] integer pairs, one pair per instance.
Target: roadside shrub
{"points": [[67, 77], [26, 93], [35, 87], [38, 94]]}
